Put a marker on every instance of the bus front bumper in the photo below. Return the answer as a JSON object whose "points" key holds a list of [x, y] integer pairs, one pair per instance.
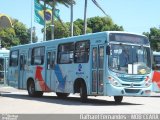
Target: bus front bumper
{"points": [[127, 91]]}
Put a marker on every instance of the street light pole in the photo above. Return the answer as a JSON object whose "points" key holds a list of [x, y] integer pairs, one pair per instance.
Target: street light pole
{"points": [[85, 17], [71, 20], [44, 37], [52, 29]]}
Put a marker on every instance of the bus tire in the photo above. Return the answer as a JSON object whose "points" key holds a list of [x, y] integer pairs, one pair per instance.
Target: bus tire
{"points": [[31, 89], [83, 93], [62, 95], [118, 99], [39, 94]]}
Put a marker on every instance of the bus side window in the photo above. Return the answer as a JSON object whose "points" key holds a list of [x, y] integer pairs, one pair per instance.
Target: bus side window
{"points": [[14, 58], [37, 57], [65, 53], [53, 60], [48, 60], [29, 62], [82, 52]]}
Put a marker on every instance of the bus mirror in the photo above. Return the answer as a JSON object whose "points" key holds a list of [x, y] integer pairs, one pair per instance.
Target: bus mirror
{"points": [[108, 50]]}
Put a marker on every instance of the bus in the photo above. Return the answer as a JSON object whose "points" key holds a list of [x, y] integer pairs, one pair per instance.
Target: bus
{"points": [[156, 71], [109, 63], [4, 55]]}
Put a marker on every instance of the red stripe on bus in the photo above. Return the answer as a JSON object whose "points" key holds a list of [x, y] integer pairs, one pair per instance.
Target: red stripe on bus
{"points": [[38, 76], [156, 78]]}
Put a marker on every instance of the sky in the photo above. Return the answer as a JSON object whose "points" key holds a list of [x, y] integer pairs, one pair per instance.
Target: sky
{"points": [[136, 16]]}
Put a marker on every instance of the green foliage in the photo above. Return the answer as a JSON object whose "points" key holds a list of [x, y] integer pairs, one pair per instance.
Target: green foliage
{"points": [[60, 31], [16, 35], [98, 24], [8, 37], [95, 24], [154, 37], [21, 32]]}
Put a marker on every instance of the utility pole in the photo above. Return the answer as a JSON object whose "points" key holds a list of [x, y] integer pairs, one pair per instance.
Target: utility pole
{"points": [[85, 17], [44, 37], [52, 26], [71, 20]]}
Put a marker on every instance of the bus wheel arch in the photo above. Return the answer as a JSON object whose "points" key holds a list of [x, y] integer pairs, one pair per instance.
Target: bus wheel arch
{"points": [[32, 89], [80, 87]]}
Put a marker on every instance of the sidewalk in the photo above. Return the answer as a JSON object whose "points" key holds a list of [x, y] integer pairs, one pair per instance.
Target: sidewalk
{"points": [[7, 89]]}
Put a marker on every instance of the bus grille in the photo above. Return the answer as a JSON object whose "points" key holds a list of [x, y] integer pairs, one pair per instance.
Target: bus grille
{"points": [[131, 79], [132, 90], [134, 85]]}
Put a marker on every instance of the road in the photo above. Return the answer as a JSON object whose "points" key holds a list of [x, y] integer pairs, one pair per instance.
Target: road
{"points": [[18, 102]]}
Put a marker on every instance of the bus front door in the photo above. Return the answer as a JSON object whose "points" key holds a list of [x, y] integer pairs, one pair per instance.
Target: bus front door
{"points": [[22, 72], [97, 69], [50, 69]]}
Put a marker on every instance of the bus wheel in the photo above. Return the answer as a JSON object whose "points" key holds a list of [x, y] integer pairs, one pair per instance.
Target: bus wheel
{"points": [[83, 93], [39, 94], [62, 95], [31, 89], [118, 99]]}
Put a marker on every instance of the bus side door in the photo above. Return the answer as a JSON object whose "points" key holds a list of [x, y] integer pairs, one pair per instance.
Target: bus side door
{"points": [[97, 69], [21, 81], [13, 70], [50, 65]]}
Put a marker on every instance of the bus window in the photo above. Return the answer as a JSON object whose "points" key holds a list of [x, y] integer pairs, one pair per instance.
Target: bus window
{"points": [[65, 53], [14, 58], [50, 60], [29, 56], [37, 56], [82, 52], [1, 64]]}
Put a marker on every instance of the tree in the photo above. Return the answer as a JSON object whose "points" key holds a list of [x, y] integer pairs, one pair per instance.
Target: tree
{"points": [[21, 32], [60, 30], [16, 35], [95, 24], [98, 24], [154, 37], [8, 38]]}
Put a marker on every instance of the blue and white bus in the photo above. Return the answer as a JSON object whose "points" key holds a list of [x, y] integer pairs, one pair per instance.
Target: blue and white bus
{"points": [[4, 55], [108, 63]]}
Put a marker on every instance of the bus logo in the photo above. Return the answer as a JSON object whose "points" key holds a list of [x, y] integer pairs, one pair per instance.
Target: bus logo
{"points": [[80, 72], [132, 84], [79, 67]]}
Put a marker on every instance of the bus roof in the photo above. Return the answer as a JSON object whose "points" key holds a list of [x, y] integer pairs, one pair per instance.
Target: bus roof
{"points": [[4, 50], [80, 37]]}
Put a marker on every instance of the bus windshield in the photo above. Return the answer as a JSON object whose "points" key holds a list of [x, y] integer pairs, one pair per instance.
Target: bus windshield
{"points": [[130, 59]]}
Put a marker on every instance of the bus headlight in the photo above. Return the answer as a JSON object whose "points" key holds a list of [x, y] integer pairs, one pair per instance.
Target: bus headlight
{"points": [[114, 82]]}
